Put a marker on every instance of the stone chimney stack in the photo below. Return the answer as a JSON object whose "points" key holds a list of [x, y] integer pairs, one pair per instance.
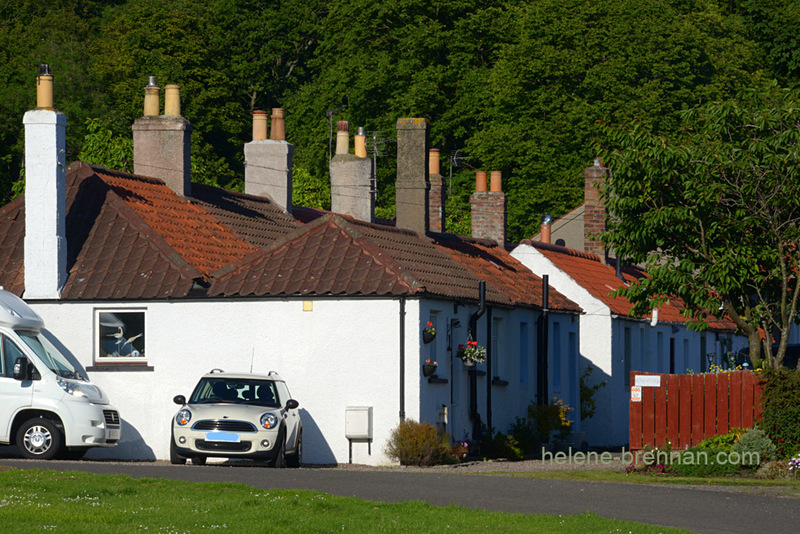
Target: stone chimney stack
{"points": [[412, 186], [45, 194], [162, 143], [436, 198], [268, 162], [594, 215], [351, 176], [489, 208]]}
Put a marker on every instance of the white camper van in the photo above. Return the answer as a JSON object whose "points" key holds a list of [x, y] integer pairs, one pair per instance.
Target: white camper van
{"points": [[47, 407]]}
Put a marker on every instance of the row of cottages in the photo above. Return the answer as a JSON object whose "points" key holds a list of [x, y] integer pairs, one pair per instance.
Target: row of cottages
{"points": [[151, 280], [611, 341]]}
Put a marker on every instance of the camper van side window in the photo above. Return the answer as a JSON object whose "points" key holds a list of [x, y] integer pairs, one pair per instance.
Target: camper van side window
{"points": [[10, 354], [120, 335]]}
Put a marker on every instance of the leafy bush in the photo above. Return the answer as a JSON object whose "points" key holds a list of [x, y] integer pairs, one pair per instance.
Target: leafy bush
{"points": [[780, 416], [723, 442], [702, 462], [588, 403], [755, 441], [414, 443], [550, 418], [524, 433]]}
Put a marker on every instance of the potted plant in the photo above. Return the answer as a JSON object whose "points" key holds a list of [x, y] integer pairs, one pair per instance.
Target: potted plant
{"points": [[472, 353], [428, 333], [429, 367]]}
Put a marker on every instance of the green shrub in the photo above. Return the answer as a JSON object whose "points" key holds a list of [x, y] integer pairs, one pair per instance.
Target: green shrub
{"points": [[702, 462], [413, 443], [723, 441], [525, 435], [755, 441], [780, 416], [511, 448]]}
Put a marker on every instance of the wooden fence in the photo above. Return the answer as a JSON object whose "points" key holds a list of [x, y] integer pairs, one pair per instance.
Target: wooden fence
{"points": [[686, 409]]}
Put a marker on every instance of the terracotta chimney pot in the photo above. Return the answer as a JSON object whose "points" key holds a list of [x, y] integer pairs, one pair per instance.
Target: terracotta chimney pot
{"points": [[545, 229], [172, 100], [434, 164], [480, 181], [497, 181], [259, 125], [342, 137], [361, 143], [278, 132], [44, 88], [151, 102]]}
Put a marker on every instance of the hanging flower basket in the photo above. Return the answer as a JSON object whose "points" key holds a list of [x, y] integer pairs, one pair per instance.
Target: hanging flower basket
{"points": [[429, 368], [471, 353], [428, 333]]}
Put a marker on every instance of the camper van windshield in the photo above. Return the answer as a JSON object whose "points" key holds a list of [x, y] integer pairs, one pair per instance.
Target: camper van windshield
{"points": [[50, 355]]}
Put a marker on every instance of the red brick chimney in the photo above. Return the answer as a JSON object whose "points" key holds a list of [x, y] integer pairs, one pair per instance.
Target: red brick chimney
{"points": [[489, 208], [436, 196], [594, 215]]}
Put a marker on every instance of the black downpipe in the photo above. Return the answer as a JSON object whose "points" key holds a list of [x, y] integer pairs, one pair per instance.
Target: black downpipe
{"points": [[541, 372], [402, 359], [489, 377], [473, 373]]}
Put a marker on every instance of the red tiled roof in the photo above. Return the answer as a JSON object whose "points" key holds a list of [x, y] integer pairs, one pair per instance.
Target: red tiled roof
{"points": [[131, 236], [601, 280], [508, 280], [197, 236]]}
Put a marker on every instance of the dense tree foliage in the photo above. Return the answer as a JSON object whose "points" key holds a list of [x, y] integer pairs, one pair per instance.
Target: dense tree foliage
{"points": [[713, 212], [516, 85]]}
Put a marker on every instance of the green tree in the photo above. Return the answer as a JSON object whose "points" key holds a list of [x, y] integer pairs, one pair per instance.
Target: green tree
{"points": [[714, 214]]}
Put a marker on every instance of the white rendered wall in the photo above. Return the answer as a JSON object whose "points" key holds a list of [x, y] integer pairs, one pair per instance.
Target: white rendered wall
{"points": [[343, 353]]}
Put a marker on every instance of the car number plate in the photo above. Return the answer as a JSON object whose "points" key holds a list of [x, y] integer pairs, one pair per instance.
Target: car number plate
{"points": [[223, 436], [112, 433]]}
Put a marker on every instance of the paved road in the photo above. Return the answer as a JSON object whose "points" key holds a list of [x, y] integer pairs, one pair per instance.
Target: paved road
{"points": [[700, 510]]}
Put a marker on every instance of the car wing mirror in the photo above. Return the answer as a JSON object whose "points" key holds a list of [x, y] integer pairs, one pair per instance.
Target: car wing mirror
{"points": [[291, 404], [22, 369], [179, 399]]}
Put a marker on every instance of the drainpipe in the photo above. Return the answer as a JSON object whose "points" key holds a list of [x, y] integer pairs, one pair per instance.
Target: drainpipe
{"points": [[542, 394], [402, 359], [489, 377], [473, 373]]}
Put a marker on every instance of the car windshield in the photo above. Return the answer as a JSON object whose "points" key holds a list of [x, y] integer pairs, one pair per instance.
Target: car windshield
{"points": [[212, 390], [50, 355]]}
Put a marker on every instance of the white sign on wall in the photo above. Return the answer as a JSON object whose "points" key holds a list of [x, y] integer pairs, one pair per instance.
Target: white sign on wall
{"points": [[636, 394], [648, 381]]}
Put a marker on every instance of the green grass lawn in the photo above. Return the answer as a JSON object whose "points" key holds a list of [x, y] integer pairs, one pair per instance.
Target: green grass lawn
{"points": [[66, 502]]}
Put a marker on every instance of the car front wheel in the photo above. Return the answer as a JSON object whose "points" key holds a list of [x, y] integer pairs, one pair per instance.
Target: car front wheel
{"points": [[174, 457], [280, 457], [39, 439]]}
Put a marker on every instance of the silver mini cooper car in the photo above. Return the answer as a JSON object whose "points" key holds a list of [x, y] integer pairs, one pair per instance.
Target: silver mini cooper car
{"points": [[238, 415]]}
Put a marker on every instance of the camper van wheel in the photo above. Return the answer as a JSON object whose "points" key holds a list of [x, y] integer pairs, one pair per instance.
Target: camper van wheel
{"points": [[174, 457], [39, 439]]}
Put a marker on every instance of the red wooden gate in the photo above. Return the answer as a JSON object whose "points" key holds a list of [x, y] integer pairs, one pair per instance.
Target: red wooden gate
{"points": [[686, 409]]}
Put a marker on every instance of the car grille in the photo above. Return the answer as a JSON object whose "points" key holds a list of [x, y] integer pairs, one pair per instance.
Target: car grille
{"points": [[111, 417], [225, 425], [203, 445]]}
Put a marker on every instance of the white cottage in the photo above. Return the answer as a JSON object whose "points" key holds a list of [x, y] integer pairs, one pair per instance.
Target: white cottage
{"points": [[151, 280], [611, 341]]}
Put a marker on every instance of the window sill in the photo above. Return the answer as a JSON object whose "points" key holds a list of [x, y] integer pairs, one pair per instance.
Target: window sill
{"points": [[497, 382], [436, 380], [104, 367]]}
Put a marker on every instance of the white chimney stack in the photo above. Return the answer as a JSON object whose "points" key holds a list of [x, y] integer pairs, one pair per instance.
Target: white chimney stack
{"points": [[268, 162], [45, 195]]}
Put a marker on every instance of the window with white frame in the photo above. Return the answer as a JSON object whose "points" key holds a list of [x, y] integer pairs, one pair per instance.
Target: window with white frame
{"points": [[120, 335]]}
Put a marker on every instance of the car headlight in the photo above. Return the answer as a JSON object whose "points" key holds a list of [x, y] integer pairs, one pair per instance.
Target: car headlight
{"points": [[76, 390], [183, 417], [269, 421]]}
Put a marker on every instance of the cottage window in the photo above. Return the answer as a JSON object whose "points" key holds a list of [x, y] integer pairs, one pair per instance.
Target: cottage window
{"points": [[120, 335]]}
